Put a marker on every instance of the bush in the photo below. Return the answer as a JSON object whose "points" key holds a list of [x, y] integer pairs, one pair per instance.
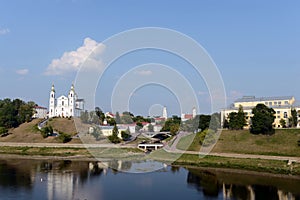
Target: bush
{"points": [[125, 135], [3, 130], [64, 138], [46, 131]]}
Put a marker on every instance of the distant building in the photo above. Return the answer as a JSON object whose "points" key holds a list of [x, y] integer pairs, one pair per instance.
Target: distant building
{"points": [[109, 114], [108, 130], [281, 105], [40, 112], [65, 106], [185, 117], [165, 113]]}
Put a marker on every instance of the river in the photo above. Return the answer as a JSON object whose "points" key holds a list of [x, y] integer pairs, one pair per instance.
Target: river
{"points": [[38, 179]]}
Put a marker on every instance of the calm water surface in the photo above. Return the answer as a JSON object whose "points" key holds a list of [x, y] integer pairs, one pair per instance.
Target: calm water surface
{"points": [[32, 179]]}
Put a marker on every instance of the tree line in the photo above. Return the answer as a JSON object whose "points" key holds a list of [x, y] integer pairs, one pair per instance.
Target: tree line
{"points": [[261, 121], [14, 112]]}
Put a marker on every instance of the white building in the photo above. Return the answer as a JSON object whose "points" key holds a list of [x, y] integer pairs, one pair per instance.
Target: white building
{"points": [[185, 117], [165, 113], [281, 105], [65, 106], [40, 112]]}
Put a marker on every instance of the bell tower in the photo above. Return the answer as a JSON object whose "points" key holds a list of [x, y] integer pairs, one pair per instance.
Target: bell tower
{"points": [[72, 100], [52, 102]]}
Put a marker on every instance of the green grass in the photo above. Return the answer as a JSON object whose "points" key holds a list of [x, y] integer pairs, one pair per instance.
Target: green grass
{"points": [[190, 143], [272, 166], [284, 142]]}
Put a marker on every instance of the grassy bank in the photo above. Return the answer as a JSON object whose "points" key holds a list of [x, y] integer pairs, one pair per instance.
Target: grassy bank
{"points": [[284, 143], [259, 165]]}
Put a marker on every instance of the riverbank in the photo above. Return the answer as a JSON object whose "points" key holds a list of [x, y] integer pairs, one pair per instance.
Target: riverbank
{"points": [[190, 160]]}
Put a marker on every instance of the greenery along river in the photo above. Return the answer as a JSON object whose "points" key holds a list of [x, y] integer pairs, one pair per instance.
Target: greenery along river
{"points": [[33, 179]]}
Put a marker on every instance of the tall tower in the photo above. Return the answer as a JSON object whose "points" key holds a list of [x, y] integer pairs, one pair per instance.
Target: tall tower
{"points": [[165, 114], [194, 112], [72, 100], [52, 102]]}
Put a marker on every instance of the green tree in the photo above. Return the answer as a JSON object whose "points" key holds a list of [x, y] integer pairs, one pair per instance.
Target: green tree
{"points": [[262, 120], [125, 135], [13, 113], [3, 130], [118, 118], [237, 121], [100, 114], [293, 121], [215, 122], [172, 125], [114, 137], [225, 123], [204, 121], [64, 138], [282, 123]]}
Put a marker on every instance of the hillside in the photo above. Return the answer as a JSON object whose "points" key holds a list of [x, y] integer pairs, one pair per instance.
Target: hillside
{"points": [[283, 142], [28, 132], [64, 125]]}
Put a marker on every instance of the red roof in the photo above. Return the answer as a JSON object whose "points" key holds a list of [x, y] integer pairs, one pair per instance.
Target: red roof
{"points": [[40, 107], [188, 116]]}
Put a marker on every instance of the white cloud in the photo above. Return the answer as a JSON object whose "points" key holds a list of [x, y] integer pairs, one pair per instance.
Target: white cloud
{"points": [[22, 71], [72, 60], [144, 72], [4, 31]]}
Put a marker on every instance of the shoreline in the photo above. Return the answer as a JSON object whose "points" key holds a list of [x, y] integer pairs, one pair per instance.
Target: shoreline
{"points": [[275, 167], [216, 170]]}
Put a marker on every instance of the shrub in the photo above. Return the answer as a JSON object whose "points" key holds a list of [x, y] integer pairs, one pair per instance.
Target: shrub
{"points": [[46, 131], [64, 138], [3, 130]]}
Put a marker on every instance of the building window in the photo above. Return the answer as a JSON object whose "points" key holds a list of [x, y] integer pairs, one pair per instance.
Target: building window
{"points": [[278, 116], [62, 109], [275, 103], [71, 95], [62, 103], [286, 102], [270, 104], [278, 112], [71, 110], [266, 103], [285, 114], [279, 102], [52, 95]]}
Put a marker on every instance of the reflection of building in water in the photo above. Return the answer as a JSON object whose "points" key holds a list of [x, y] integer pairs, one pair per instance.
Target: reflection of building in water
{"points": [[61, 185], [211, 184]]}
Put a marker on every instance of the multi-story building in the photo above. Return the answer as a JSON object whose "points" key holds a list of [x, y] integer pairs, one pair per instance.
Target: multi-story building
{"points": [[281, 105]]}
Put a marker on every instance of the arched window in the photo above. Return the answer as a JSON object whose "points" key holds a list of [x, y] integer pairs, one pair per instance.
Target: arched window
{"points": [[62, 109], [71, 95]]}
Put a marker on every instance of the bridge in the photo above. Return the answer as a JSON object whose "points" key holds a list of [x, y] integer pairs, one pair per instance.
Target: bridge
{"points": [[150, 146]]}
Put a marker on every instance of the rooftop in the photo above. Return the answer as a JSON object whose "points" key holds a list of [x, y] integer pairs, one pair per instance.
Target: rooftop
{"points": [[253, 98]]}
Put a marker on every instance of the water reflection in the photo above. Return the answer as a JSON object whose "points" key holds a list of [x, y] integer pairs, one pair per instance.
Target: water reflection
{"points": [[32, 179], [232, 185]]}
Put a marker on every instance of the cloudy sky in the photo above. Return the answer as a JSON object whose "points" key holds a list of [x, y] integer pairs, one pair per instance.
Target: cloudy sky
{"points": [[254, 44]]}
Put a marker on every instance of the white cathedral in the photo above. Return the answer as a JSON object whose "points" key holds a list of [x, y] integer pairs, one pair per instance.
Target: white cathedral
{"points": [[64, 106]]}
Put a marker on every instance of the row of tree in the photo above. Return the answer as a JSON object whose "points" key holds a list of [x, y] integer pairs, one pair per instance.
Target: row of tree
{"points": [[261, 122], [15, 112]]}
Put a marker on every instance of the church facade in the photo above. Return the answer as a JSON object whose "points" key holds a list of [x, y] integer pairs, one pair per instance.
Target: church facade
{"points": [[65, 106]]}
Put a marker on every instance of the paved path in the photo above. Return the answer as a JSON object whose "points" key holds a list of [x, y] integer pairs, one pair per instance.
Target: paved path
{"points": [[56, 145]]}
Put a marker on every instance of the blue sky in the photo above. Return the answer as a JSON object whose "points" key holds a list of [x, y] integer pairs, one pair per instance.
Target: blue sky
{"points": [[255, 45]]}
